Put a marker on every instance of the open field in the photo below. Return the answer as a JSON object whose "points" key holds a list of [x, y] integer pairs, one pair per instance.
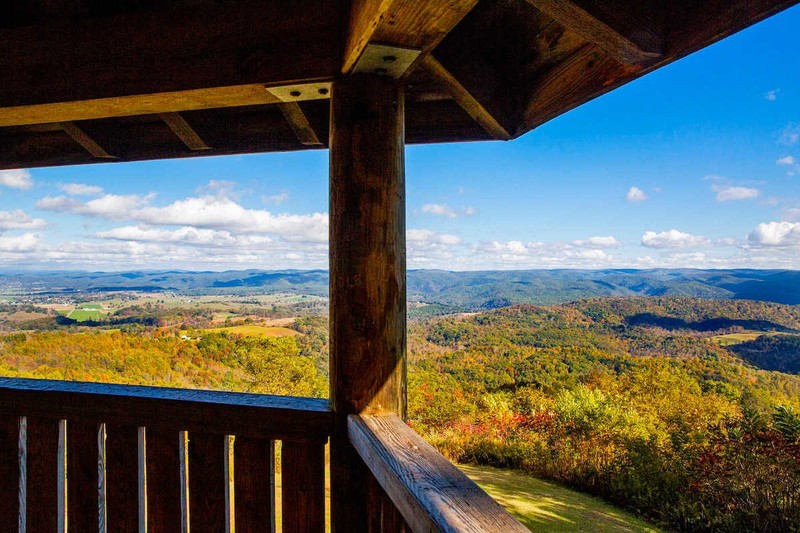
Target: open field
{"points": [[731, 339], [82, 315], [255, 330], [546, 507]]}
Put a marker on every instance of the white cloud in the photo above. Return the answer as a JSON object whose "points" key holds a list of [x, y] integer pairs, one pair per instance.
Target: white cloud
{"points": [[635, 194], [599, 242], [469, 211], [429, 237], [727, 193], [19, 219], [276, 199], [16, 179], [777, 234], [80, 189], [672, 239], [787, 160], [443, 210], [112, 206], [185, 235], [221, 188], [772, 95], [790, 135], [22, 243]]}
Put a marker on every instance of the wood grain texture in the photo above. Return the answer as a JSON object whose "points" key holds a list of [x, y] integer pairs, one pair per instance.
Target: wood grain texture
{"points": [[223, 413], [299, 123], [207, 483], [163, 482], [418, 24], [42, 475], [577, 19], [428, 490], [303, 487], [89, 144], [254, 485], [184, 131], [170, 48], [82, 476], [465, 99], [122, 479], [9, 472]]}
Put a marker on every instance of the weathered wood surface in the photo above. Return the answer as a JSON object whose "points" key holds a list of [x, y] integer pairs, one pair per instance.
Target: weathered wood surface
{"points": [[221, 413], [168, 48], [42, 475], [122, 478], [207, 483], [303, 487], [184, 131], [428, 490], [9, 472], [418, 24], [367, 272], [82, 476], [89, 144], [163, 481], [594, 30], [254, 489], [299, 123]]}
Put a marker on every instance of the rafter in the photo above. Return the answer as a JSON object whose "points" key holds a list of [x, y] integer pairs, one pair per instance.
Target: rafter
{"points": [[89, 144], [418, 24], [465, 98], [299, 124], [621, 47], [184, 131]]}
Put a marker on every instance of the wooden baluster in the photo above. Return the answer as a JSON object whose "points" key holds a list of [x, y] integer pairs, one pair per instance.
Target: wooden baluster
{"points": [[207, 483], [254, 475], [122, 479], [42, 476], [303, 486], [163, 482], [9, 472], [82, 476]]}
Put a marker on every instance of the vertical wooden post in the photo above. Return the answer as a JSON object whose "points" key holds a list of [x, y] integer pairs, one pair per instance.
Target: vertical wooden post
{"points": [[367, 273]]}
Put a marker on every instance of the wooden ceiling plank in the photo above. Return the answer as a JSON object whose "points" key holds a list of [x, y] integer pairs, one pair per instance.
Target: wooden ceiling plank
{"points": [[299, 123], [184, 131], [144, 104], [465, 99], [572, 16], [84, 140], [417, 24]]}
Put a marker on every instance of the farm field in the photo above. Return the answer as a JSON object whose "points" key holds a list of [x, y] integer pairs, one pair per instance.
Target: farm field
{"points": [[255, 330], [546, 507]]}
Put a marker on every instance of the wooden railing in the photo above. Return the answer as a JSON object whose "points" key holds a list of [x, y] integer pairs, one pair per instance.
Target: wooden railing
{"points": [[414, 488], [85, 457]]}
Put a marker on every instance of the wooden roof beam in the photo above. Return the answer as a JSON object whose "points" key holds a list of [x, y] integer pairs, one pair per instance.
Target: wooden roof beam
{"points": [[416, 24], [623, 48], [299, 123], [77, 135], [465, 99], [184, 131]]}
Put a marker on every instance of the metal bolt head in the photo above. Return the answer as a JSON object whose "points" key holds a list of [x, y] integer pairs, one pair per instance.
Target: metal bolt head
{"points": [[323, 91], [295, 93]]}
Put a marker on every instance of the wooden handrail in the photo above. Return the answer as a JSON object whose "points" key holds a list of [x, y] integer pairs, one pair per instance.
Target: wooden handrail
{"points": [[222, 413], [428, 490]]}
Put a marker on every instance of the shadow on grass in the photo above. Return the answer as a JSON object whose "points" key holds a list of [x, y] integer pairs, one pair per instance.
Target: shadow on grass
{"points": [[543, 506]]}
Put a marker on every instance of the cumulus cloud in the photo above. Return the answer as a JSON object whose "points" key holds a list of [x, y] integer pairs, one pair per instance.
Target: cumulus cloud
{"points": [[80, 189], [599, 242], [185, 235], [635, 194], [112, 206], [672, 239], [442, 210], [19, 219], [429, 237], [276, 199], [16, 179], [771, 95], [728, 193], [790, 135], [778, 234], [786, 160], [222, 188], [21, 243]]}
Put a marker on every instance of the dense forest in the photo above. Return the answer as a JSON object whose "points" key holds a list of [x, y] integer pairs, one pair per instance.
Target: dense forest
{"points": [[686, 411]]}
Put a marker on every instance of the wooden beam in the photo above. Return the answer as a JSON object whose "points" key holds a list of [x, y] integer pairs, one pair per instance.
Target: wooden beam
{"points": [[299, 123], [621, 47], [84, 140], [418, 24], [465, 99], [184, 131], [167, 49], [143, 104], [367, 273], [428, 490]]}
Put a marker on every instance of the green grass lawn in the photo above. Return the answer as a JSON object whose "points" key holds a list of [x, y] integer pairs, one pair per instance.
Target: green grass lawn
{"points": [[546, 507], [255, 330], [81, 315]]}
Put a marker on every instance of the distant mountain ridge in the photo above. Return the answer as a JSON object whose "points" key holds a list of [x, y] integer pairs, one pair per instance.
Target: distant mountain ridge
{"points": [[449, 291]]}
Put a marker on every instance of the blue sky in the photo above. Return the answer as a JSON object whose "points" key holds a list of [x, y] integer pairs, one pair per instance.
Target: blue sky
{"points": [[695, 165]]}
